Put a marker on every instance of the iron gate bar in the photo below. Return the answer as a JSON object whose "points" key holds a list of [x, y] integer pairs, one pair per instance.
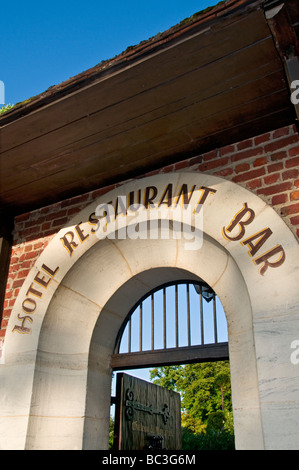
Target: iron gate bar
{"points": [[176, 317], [215, 319], [140, 326], [188, 314], [201, 315], [153, 333], [147, 295], [173, 355], [164, 317]]}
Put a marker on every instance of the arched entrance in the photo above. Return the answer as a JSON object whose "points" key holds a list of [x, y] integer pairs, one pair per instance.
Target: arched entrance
{"points": [[63, 361], [180, 324]]}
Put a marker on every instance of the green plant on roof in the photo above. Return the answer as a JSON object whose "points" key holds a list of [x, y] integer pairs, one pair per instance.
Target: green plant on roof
{"points": [[5, 108]]}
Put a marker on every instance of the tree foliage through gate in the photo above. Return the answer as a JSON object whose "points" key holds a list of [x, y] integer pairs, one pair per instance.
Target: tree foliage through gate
{"points": [[206, 402]]}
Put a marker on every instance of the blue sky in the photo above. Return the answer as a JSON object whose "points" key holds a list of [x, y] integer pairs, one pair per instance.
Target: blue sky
{"points": [[44, 43]]}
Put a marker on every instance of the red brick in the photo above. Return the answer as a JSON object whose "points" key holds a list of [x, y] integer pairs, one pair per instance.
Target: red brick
{"points": [[56, 215], [196, 160], [45, 210], [279, 156], [181, 165], [275, 167], [292, 162], [32, 223], [59, 222], [209, 156], [22, 217], [8, 294], [14, 268], [25, 264], [254, 184], [296, 183], [245, 144], [260, 161], [227, 149], [73, 210], [29, 231], [273, 178], [2, 331], [293, 152], [292, 209], [290, 174], [281, 132], [279, 199], [242, 167], [249, 175], [224, 172], [6, 312], [281, 143], [23, 273], [50, 233], [167, 169], [245, 154], [295, 220], [18, 283], [38, 245], [31, 255], [213, 164], [277, 188], [28, 248], [261, 139], [46, 226], [16, 292], [12, 302], [294, 196]]}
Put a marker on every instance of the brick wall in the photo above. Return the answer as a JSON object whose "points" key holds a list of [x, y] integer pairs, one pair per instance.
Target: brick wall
{"points": [[267, 164]]}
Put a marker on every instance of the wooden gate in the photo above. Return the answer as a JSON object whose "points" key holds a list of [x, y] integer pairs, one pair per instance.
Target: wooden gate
{"points": [[147, 416]]}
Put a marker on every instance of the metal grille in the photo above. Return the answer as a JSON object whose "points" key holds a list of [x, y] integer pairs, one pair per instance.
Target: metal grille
{"points": [[184, 319]]}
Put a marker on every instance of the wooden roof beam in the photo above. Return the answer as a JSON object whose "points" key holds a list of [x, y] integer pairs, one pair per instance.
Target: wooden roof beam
{"points": [[282, 17]]}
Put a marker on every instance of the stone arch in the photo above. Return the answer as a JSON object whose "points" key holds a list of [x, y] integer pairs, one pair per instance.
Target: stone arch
{"points": [[63, 363]]}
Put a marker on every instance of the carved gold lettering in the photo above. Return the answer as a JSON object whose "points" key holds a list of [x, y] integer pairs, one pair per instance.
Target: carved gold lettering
{"points": [[237, 220], [93, 220], [22, 329], [68, 242], [80, 233], [277, 250], [29, 305], [49, 271], [261, 237], [244, 217], [186, 195], [205, 192], [150, 194], [134, 206], [166, 196], [33, 291]]}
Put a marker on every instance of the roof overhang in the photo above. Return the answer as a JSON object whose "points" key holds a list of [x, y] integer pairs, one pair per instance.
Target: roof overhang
{"points": [[215, 79]]}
